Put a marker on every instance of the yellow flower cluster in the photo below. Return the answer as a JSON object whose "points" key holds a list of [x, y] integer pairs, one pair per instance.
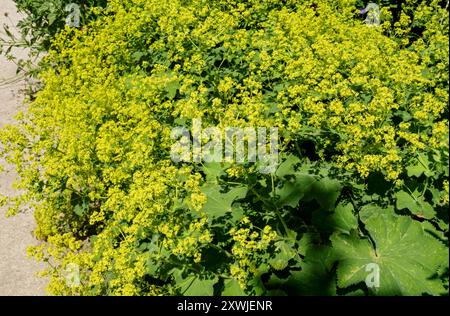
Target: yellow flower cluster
{"points": [[192, 240], [248, 244]]}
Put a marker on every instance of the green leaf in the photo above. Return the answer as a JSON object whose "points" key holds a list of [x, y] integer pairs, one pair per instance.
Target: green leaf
{"points": [[232, 288], [419, 166], [342, 219], [283, 255], [306, 183], [220, 203], [354, 255], [136, 56], [180, 121], [152, 266], [256, 284], [405, 200], [192, 285], [171, 88], [291, 192], [275, 282], [316, 277], [406, 255], [80, 209], [201, 287], [237, 213], [308, 187], [287, 166], [415, 170], [326, 192], [307, 240], [372, 209], [213, 171], [51, 18], [416, 205]]}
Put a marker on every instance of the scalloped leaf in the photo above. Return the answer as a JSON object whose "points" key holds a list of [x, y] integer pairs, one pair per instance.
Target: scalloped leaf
{"points": [[284, 254], [317, 276], [415, 203], [214, 170], [220, 203], [342, 219], [419, 166], [406, 255], [192, 285], [309, 187], [231, 287]]}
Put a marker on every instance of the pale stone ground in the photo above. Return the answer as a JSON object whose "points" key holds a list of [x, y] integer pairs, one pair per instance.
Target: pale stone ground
{"points": [[17, 272]]}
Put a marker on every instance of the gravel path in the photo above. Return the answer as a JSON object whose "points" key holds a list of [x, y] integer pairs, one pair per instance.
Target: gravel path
{"points": [[17, 272]]}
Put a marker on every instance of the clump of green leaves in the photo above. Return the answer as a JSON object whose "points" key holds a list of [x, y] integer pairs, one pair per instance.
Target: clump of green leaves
{"points": [[42, 20]]}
